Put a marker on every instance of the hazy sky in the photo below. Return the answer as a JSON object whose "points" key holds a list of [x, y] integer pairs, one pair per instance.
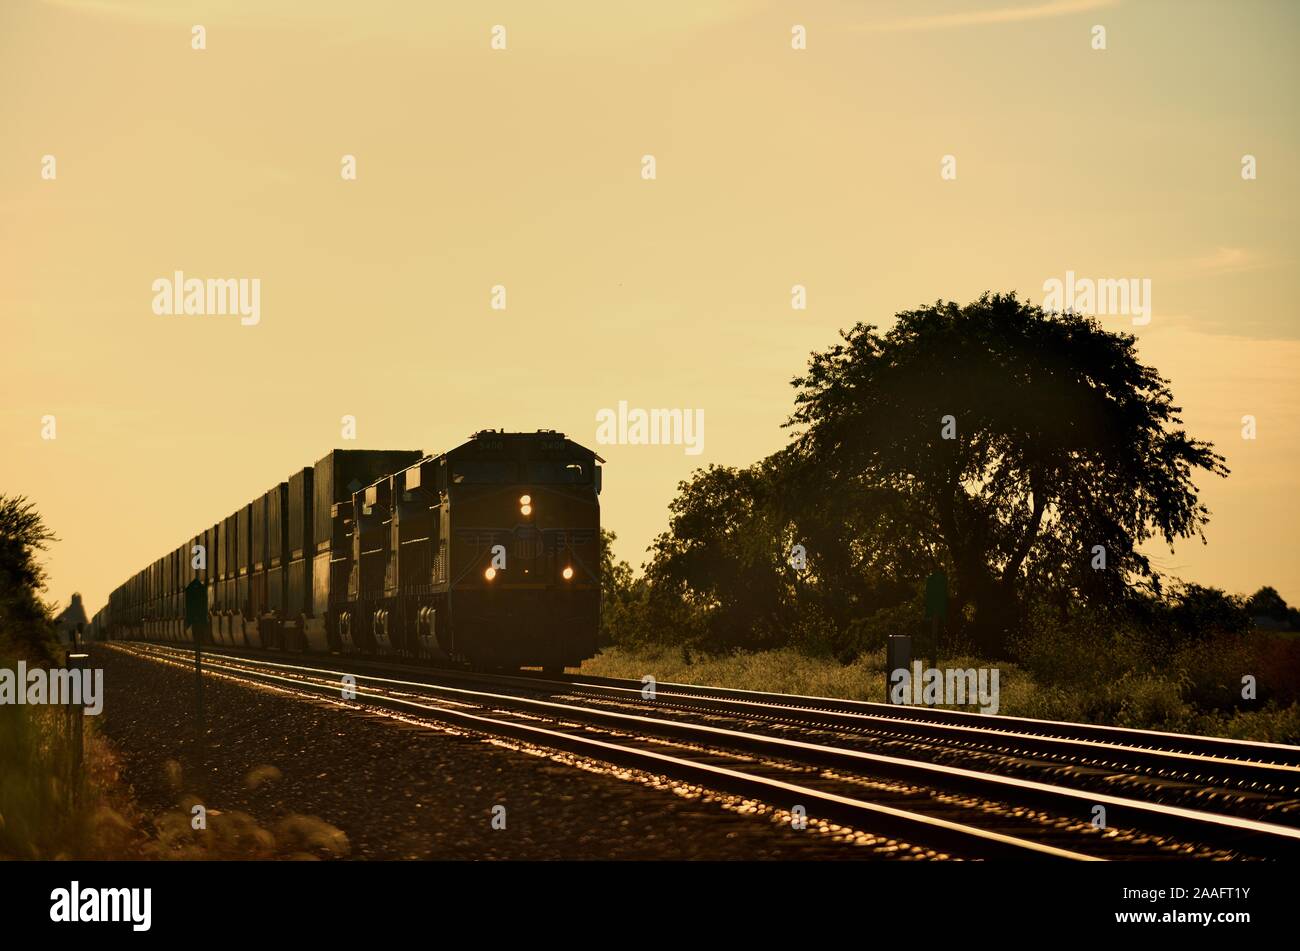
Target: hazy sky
{"points": [[523, 167]]}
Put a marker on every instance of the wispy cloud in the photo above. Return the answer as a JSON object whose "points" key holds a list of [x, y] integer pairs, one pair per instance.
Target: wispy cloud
{"points": [[1005, 14], [1227, 261], [148, 11]]}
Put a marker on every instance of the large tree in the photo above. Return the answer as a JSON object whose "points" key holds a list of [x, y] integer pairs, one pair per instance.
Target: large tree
{"points": [[1028, 446], [25, 625], [717, 577], [777, 554]]}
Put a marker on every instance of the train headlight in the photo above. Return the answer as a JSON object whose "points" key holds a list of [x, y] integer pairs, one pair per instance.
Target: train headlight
{"points": [[490, 573], [525, 510], [525, 505], [525, 500], [568, 573]]}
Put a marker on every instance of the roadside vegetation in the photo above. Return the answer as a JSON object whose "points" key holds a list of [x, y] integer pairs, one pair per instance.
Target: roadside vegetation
{"points": [[1197, 692], [1030, 459], [47, 809], [51, 810]]}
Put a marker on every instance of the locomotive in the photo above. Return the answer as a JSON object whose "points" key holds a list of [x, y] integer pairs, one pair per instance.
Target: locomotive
{"points": [[488, 554]]}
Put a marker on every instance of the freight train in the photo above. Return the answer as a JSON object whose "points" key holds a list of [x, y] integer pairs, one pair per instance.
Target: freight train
{"points": [[487, 555]]}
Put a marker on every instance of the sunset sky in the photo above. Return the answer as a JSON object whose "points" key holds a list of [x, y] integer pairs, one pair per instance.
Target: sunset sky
{"points": [[523, 167]]}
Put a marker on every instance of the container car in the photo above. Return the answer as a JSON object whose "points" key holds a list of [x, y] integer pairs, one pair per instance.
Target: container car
{"points": [[488, 555]]}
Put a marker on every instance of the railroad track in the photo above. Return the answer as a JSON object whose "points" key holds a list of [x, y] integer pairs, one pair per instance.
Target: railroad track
{"points": [[1261, 780], [1253, 780], [941, 807]]}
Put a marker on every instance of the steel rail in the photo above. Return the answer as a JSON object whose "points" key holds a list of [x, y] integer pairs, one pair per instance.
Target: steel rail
{"points": [[1223, 831], [1258, 765], [909, 828]]}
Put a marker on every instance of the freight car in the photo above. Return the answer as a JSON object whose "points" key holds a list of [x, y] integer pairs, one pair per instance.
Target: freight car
{"points": [[488, 554]]}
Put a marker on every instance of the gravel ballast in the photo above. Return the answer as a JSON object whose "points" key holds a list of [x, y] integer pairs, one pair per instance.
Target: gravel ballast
{"points": [[313, 778]]}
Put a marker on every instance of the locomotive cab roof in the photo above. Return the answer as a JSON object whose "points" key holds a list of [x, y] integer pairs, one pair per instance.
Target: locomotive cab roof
{"points": [[541, 443]]}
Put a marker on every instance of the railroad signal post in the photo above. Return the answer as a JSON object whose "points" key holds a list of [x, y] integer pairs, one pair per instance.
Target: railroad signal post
{"points": [[196, 618]]}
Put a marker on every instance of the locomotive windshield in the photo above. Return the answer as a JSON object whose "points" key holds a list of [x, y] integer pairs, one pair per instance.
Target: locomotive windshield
{"points": [[477, 471], [536, 472], [548, 473]]}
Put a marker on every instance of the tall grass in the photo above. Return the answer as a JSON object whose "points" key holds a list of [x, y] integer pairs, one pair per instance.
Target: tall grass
{"points": [[1060, 676], [39, 814], [51, 805]]}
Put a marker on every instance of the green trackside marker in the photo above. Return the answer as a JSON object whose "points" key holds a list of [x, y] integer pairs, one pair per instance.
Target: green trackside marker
{"points": [[196, 605], [936, 609], [196, 618], [936, 595]]}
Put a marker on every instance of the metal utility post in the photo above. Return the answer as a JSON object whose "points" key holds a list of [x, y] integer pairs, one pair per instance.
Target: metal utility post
{"points": [[77, 663], [898, 656], [936, 609], [198, 686]]}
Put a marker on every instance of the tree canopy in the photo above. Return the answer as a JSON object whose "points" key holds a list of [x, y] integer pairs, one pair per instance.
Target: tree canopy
{"points": [[1031, 448], [24, 617], [1027, 454]]}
